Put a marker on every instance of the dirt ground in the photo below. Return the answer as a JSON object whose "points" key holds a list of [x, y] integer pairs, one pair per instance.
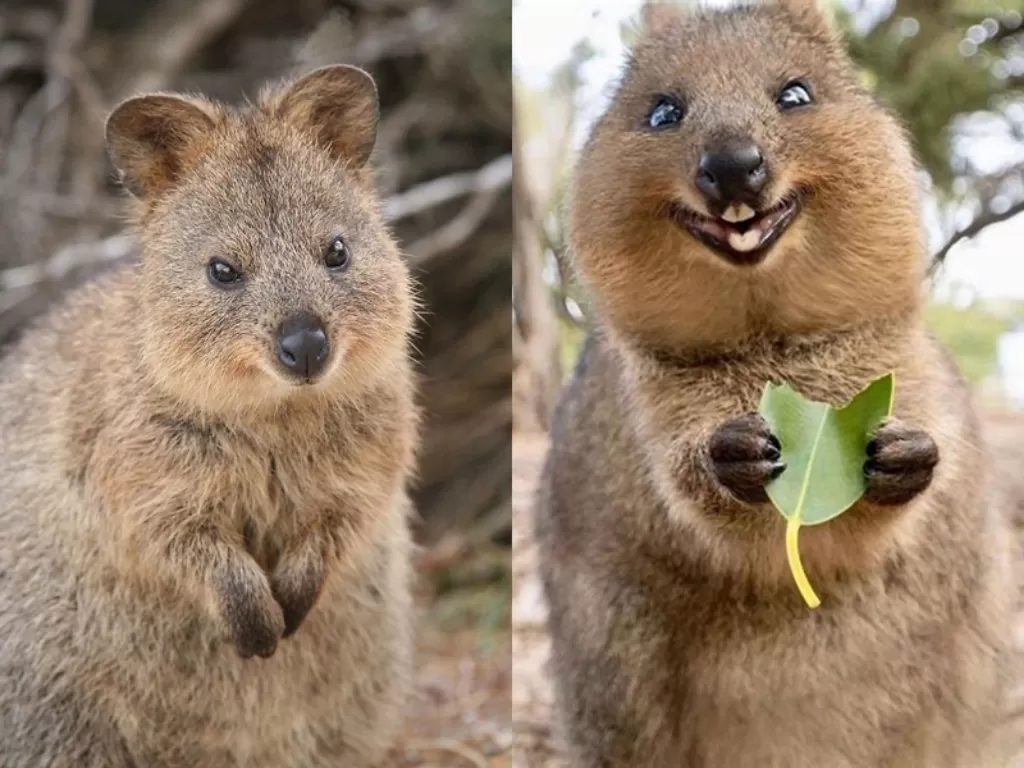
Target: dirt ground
{"points": [[460, 713], [536, 742]]}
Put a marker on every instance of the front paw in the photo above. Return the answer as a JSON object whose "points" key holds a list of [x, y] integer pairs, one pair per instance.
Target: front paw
{"points": [[296, 584], [745, 457], [254, 620], [901, 460]]}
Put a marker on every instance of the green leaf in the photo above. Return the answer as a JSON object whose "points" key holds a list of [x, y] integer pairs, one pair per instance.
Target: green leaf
{"points": [[824, 449]]}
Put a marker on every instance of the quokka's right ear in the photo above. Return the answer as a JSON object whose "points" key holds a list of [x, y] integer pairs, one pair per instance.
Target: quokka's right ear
{"points": [[154, 140], [657, 15], [800, 6], [810, 14]]}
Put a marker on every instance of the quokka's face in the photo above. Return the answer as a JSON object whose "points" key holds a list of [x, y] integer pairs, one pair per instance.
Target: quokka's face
{"points": [[744, 132], [278, 272], [267, 270]]}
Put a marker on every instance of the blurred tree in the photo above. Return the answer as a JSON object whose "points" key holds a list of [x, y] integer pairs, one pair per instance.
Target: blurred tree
{"points": [[954, 71], [444, 154], [537, 375], [547, 316], [972, 336]]}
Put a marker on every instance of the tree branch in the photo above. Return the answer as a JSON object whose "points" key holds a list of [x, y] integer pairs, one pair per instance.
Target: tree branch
{"points": [[496, 175], [973, 229], [457, 231], [336, 39], [66, 260], [174, 33]]}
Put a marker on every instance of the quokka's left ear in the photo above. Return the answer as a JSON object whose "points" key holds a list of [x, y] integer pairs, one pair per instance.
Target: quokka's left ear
{"points": [[338, 107]]}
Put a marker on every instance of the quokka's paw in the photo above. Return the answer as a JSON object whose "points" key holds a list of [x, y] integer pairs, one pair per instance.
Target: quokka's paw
{"points": [[296, 584], [745, 456], [901, 460], [254, 620]]}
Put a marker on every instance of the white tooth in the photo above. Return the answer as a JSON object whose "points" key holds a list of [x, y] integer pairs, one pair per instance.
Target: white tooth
{"points": [[748, 241], [736, 213]]}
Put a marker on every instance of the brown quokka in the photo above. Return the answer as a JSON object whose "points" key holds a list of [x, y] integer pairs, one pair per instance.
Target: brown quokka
{"points": [[203, 457], [745, 212]]}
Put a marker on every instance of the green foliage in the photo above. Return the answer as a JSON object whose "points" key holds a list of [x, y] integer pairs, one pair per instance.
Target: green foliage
{"points": [[971, 334], [923, 61], [824, 449]]}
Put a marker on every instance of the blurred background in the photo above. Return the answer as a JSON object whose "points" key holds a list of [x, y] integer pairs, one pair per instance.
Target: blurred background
{"points": [[953, 69], [445, 170]]}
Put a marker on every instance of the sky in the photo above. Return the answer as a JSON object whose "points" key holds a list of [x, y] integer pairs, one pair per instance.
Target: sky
{"points": [[544, 32]]}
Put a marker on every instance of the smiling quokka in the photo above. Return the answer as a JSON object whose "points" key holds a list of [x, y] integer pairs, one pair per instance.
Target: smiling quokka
{"points": [[745, 212], [206, 452]]}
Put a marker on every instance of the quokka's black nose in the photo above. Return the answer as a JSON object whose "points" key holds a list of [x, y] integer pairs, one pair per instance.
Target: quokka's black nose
{"points": [[302, 345], [733, 172]]}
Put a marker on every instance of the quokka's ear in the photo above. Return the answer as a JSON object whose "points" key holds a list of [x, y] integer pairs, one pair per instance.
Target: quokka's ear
{"points": [[338, 107], [657, 15], [810, 14], [154, 140]]}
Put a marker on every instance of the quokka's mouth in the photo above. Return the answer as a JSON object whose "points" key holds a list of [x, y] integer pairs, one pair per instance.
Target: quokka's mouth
{"points": [[742, 235]]}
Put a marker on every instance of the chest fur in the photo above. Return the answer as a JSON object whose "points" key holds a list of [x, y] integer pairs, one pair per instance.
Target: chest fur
{"points": [[829, 369], [263, 485]]}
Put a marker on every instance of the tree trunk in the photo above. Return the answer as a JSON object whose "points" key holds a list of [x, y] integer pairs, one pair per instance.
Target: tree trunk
{"points": [[537, 374]]}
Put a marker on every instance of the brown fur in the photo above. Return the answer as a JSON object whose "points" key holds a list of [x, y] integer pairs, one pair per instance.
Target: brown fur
{"points": [[679, 638], [1004, 436], [172, 503]]}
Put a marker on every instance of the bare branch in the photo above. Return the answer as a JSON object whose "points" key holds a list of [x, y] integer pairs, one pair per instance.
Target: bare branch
{"points": [[170, 38], [51, 101], [67, 260], [61, 206], [70, 35], [496, 175], [15, 55], [973, 229], [336, 39], [405, 36], [458, 230]]}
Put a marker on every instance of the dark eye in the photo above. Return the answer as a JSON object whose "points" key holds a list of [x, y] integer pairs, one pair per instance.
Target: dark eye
{"points": [[222, 274], [337, 255], [793, 95], [666, 112]]}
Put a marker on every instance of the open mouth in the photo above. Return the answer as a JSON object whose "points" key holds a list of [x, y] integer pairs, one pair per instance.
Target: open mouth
{"points": [[741, 234]]}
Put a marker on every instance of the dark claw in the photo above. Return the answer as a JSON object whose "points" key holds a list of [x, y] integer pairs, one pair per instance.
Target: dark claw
{"points": [[295, 611], [745, 457], [892, 489], [296, 585], [252, 616], [900, 464], [254, 634]]}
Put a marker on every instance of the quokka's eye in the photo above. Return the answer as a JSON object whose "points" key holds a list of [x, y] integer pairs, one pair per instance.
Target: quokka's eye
{"points": [[337, 255], [666, 112], [222, 274], [794, 94]]}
